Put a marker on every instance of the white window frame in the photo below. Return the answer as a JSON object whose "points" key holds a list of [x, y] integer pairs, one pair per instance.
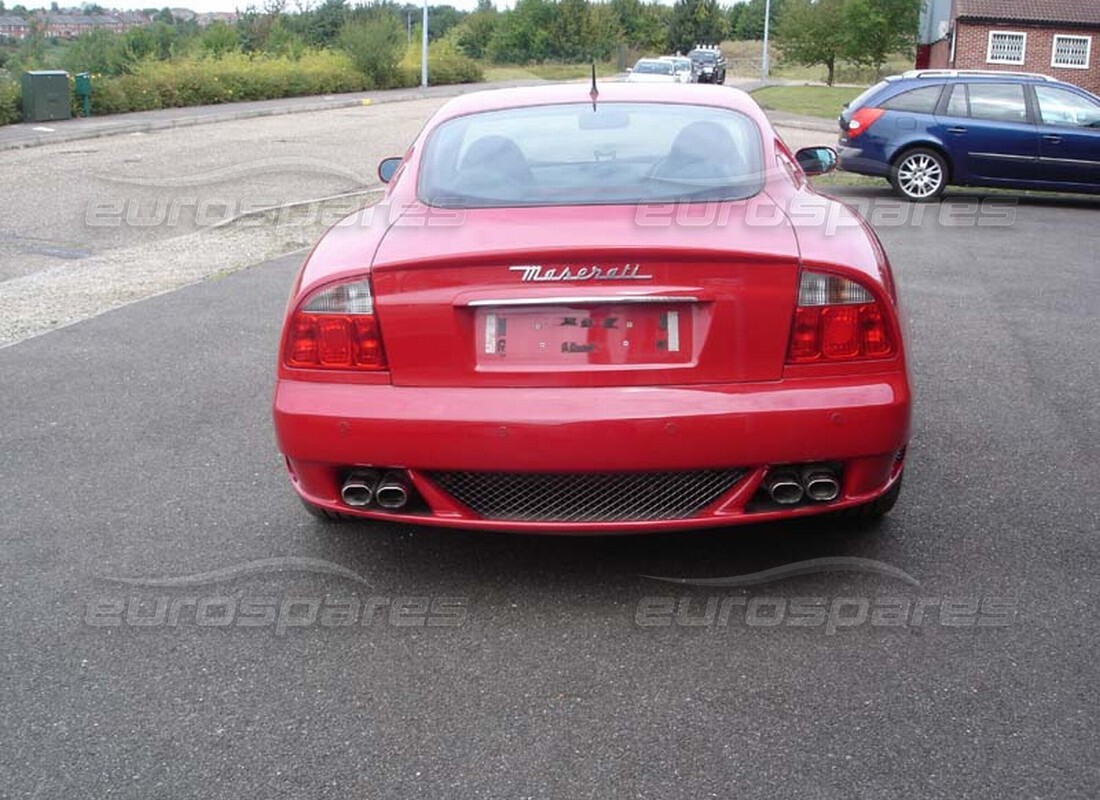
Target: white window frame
{"points": [[1054, 51], [989, 47]]}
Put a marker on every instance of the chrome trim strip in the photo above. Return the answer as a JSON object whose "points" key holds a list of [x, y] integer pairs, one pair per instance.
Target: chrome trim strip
{"points": [[580, 300], [1093, 163], [1005, 156]]}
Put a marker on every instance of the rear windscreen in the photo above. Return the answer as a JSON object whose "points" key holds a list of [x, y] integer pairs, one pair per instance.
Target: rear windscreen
{"points": [[866, 95], [621, 153]]}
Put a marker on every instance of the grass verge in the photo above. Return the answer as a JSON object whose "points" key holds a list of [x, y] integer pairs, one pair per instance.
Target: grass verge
{"points": [[546, 72], [813, 101]]}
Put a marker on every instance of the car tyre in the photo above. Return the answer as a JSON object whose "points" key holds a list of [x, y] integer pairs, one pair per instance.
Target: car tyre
{"points": [[324, 514], [919, 175], [871, 513]]}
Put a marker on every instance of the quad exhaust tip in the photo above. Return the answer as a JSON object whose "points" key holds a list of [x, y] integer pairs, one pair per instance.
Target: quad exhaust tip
{"points": [[784, 487], [788, 486], [392, 492], [359, 489], [820, 484]]}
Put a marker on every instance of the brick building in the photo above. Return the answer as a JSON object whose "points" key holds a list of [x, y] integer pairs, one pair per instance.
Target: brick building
{"points": [[1060, 38], [12, 27], [69, 26]]}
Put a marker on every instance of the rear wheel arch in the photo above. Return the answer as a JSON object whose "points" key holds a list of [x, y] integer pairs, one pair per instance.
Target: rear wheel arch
{"points": [[936, 147], [914, 168]]}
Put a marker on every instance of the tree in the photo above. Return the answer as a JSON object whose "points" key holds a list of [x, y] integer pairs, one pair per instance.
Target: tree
{"points": [[569, 36], [375, 46], [476, 31], [323, 24], [523, 34], [604, 31], [284, 42], [733, 18], [219, 39], [32, 49], [877, 28], [645, 26], [813, 32], [254, 26], [441, 19], [694, 22], [750, 23]]}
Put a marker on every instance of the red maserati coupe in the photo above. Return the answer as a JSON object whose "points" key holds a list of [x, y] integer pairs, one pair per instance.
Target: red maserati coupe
{"points": [[596, 312]]}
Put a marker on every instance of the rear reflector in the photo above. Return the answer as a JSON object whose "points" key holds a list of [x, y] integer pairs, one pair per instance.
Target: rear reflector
{"points": [[837, 320], [336, 329]]}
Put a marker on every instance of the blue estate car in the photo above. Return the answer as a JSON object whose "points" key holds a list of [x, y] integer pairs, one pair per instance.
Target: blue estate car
{"points": [[926, 129]]}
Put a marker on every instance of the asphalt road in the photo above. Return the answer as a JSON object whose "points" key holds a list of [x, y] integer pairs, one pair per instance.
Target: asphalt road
{"points": [[137, 445]]}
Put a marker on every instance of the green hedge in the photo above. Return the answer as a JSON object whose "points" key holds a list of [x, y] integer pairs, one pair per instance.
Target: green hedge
{"points": [[444, 70], [237, 77], [11, 102], [232, 78]]}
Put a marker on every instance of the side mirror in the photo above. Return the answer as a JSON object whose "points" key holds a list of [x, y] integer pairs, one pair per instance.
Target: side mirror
{"points": [[630, 69], [388, 167], [817, 160]]}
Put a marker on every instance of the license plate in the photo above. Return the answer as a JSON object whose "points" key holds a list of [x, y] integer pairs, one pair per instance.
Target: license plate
{"points": [[548, 336]]}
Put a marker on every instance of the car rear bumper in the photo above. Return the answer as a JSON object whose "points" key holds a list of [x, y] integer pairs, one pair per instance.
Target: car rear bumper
{"points": [[853, 159], [860, 424]]}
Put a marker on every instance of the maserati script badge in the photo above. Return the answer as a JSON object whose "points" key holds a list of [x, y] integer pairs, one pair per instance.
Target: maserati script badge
{"points": [[627, 272]]}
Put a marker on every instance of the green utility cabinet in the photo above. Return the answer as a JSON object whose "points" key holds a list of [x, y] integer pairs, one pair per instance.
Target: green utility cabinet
{"points": [[83, 87], [46, 95]]}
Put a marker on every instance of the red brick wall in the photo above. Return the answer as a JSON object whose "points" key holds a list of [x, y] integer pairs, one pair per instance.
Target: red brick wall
{"points": [[972, 44], [939, 55]]}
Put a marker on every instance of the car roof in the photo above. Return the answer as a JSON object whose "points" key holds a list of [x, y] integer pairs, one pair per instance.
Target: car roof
{"points": [[609, 92], [974, 74], [894, 85]]}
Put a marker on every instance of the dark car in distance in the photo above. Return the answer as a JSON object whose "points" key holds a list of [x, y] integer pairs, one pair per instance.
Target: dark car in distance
{"points": [[928, 129], [710, 64]]}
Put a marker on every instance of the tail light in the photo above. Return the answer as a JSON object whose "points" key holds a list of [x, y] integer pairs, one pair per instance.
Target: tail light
{"points": [[837, 320], [335, 328], [861, 120]]}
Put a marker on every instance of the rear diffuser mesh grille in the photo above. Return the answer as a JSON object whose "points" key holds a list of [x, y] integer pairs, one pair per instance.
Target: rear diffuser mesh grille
{"points": [[587, 497]]}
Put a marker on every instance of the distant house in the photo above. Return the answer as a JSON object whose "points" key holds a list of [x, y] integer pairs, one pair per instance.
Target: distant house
{"points": [[12, 27], [1060, 38], [228, 17], [69, 26]]}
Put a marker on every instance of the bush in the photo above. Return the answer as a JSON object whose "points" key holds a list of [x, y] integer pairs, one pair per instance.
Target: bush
{"points": [[446, 65], [375, 47], [231, 78], [11, 102], [235, 77], [444, 70]]}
